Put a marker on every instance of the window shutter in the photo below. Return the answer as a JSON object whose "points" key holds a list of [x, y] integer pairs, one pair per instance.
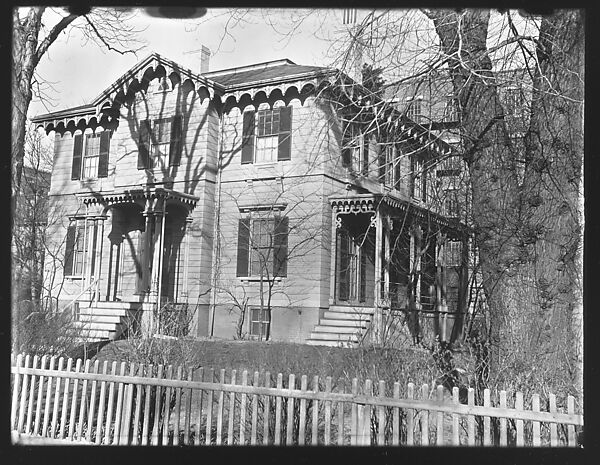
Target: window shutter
{"points": [[144, 161], [70, 244], [365, 149], [382, 158], [280, 242], [77, 150], [176, 141], [243, 247], [397, 171], [248, 137], [285, 134], [104, 150]]}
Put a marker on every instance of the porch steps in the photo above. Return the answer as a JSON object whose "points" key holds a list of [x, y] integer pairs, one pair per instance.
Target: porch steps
{"points": [[341, 326], [104, 320]]}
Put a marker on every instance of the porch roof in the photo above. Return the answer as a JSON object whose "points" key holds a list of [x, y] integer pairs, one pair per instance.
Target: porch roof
{"points": [[131, 195], [395, 206]]}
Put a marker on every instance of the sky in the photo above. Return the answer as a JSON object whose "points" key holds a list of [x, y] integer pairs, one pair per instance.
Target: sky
{"points": [[76, 72]]}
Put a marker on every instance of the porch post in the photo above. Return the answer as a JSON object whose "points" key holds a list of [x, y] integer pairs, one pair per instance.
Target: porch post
{"points": [[157, 254], [378, 314], [186, 254], [386, 269], [100, 232], [148, 218], [333, 255]]}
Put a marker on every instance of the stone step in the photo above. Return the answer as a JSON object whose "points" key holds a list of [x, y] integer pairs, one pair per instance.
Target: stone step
{"points": [[96, 325], [336, 329], [354, 323], [346, 316], [334, 337], [98, 311], [312, 342], [89, 318], [97, 334], [351, 309]]}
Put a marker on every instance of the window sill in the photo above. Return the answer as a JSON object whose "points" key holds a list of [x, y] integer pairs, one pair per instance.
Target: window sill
{"points": [[256, 279], [75, 278]]}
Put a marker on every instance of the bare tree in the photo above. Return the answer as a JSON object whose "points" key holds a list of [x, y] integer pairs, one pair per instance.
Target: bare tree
{"points": [[35, 30]]}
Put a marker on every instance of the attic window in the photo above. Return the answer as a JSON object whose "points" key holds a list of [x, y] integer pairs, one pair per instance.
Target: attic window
{"points": [[164, 85]]}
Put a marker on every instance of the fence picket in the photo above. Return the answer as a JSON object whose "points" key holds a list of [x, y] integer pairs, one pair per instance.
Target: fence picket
{"points": [[110, 407], [410, 417], [65, 401], [302, 423], [61, 362], [126, 424], [471, 418], [177, 408], [519, 423], [341, 422], [381, 416], [266, 411], [147, 390], [486, 420], [425, 417], [74, 401], [243, 410], [439, 428], [92, 408], [253, 430], [167, 408], [188, 409], [24, 392], [157, 408], [28, 424], [314, 435], [23, 397], [220, 409], [396, 417], [455, 424], [503, 431], [15, 393], [231, 413], [572, 440], [209, 408], [354, 415], [290, 412], [199, 416], [327, 437], [38, 406], [535, 406], [553, 426], [278, 402], [119, 409]]}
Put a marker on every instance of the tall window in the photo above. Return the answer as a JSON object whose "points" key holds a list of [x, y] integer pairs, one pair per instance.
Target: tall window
{"points": [[259, 323], [389, 166], [451, 203], [262, 246], [513, 101], [79, 238], [266, 135], [451, 110], [355, 150], [452, 253], [90, 155], [160, 142], [419, 179], [414, 110]]}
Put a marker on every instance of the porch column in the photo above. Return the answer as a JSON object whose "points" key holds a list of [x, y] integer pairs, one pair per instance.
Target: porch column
{"points": [[415, 262], [186, 255], [148, 218], [157, 241], [386, 269], [377, 333], [100, 249], [333, 254]]}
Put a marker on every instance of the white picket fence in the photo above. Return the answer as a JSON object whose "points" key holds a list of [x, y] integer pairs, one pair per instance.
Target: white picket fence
{"points": [[158, 405]]}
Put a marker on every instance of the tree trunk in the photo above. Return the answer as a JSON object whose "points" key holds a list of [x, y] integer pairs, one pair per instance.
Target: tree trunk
{"points": [[486, 148], [553, 190]]}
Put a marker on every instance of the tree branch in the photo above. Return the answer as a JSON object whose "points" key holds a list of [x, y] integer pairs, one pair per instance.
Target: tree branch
{"points": [[103, 40], [52, 36]]}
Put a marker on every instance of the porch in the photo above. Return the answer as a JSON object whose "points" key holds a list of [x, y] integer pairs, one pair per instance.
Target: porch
{"points": [[131, 252], [395, 267]]}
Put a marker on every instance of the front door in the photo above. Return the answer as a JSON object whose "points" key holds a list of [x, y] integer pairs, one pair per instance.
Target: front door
{"points": [[351, 269]]}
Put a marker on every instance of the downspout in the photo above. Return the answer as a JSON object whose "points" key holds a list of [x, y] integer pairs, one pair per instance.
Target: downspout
{"points": [[216, 237]]}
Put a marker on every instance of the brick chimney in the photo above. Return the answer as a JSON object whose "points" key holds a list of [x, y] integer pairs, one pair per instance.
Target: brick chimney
{"points": [[198, 60]]}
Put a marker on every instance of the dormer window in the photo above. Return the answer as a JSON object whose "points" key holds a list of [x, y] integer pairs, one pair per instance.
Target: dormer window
{"points": [[164, 85]]}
